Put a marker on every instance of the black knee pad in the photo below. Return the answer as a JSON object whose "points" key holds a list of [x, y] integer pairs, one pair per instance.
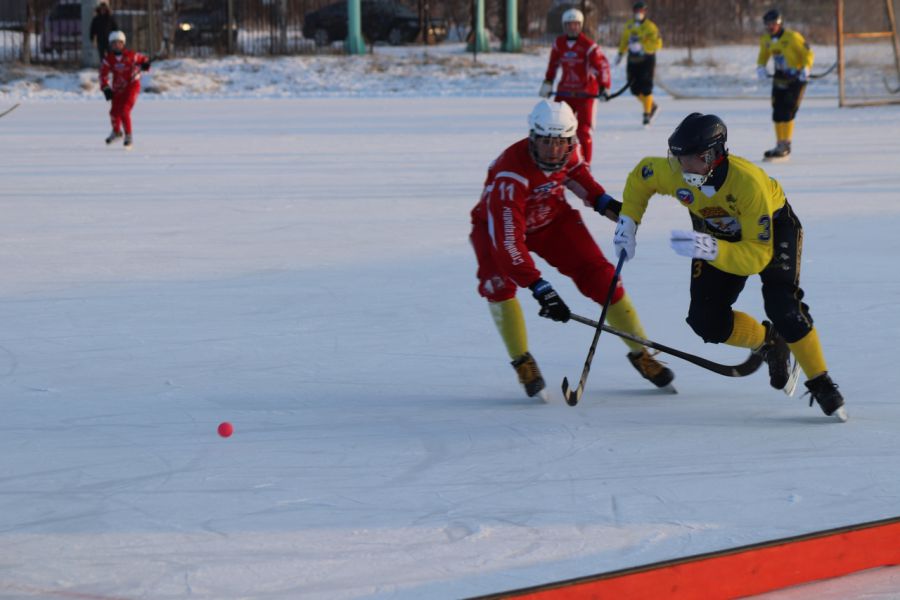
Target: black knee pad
{"points": [[713, 328]]}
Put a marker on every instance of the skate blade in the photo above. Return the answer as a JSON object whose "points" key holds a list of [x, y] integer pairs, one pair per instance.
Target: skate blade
{"points": [[544, 396], [841, 415], [791, 386], [776, 159], [668, 388]]}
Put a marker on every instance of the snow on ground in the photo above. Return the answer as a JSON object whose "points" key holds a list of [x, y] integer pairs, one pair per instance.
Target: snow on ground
{"points": [[445, 70], [300, 267]]}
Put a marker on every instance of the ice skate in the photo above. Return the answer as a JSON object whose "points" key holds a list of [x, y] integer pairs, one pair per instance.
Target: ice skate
{"points": [[780, 153], [777, 355], [649, 116], [652, 370], [127, 141], [530, 376], [113, 136], [824, 391]]}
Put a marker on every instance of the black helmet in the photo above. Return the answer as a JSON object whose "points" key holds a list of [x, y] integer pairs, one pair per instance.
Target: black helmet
{"points": [[639, 6], [698, 133], [773, 16]]}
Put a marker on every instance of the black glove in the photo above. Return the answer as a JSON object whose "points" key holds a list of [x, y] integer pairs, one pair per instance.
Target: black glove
{"points": [[603, 96], [145, 66], [552, 305], [607, 204], [108, 93]]}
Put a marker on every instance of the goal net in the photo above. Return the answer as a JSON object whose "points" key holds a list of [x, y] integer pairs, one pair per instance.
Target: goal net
{"points": [[868, 53]]}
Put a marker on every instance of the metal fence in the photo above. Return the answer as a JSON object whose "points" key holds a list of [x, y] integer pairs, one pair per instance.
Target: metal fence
{"points": [[30, 29]]}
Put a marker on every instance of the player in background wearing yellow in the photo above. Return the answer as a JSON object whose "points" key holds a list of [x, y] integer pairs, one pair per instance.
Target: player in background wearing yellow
{"points": [[743, 225], [792, 59], [641, 40]]}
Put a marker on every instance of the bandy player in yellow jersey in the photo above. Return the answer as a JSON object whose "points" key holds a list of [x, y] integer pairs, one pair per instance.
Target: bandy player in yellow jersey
{"points": [[793, 59], [743, 225], [641, 40]]}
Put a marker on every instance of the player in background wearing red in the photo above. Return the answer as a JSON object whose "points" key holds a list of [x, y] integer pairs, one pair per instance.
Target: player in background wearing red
{"points": [[523, 209], [120, 80], [585, 76]]}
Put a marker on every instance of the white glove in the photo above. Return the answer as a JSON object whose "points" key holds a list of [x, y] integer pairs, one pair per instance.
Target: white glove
{"points": [[635, 48], [803, 75], [546, 89], [624, 239], [694, 245], [761, 73]]}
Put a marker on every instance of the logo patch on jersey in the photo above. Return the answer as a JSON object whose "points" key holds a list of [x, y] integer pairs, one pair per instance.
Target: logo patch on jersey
{"points": [[721, 224], [647, 172], [544, 189], [684, 195], [731, 200]]}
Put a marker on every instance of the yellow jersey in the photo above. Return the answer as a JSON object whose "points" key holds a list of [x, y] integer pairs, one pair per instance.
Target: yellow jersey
{"points": [[644, 33], [789, 51], [739, 214]]}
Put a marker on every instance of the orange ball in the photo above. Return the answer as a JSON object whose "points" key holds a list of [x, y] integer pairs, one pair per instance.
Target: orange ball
{"points": [[225, 429]]}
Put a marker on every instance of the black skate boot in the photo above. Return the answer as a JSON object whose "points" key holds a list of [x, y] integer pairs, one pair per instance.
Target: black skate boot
{"points": [[113, 136], [824, 391], [781, 151], [529, 374], [127, 141], [646, 119], [651, 369], [777, 355]]}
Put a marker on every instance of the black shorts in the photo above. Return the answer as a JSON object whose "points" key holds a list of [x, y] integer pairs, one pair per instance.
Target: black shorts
{"points": [[640, 74], [786, 97], [713, 291]]}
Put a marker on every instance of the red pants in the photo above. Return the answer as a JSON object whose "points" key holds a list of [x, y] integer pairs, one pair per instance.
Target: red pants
{"points": [[566, 244], [122, 103], [585, 110]]}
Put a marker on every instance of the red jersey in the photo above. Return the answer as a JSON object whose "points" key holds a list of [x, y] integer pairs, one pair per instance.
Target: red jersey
{"points": [[519, 198], [125, 69], [584, 67]]}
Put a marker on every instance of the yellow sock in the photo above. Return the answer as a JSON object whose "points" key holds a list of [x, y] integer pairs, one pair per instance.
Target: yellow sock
{"points": [[787, 131], [778, 137], [511, 324], [808, 352], [640, 98], [648, 103], [622, 315], [747, 332]]}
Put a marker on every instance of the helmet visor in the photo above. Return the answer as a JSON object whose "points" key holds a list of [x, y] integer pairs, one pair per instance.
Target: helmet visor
{"points": [[694, 168]]}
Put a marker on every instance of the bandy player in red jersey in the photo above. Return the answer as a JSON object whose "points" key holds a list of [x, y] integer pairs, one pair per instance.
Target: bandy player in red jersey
{"points": [[585, 76], [120, 80], [523, 209]]}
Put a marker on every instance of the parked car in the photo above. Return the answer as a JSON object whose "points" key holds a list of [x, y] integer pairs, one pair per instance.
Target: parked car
{"points": [[382, 21], [62, 28], [203, 27]]}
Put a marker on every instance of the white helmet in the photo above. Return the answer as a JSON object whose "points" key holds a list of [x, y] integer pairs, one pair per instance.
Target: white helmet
{"points": [[573, 14], [551, 120], [116, 36]]}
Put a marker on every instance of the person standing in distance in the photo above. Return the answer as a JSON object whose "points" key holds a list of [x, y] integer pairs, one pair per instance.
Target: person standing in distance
{"points": [[102, 25], [641, 40], [793, 59], [743, 225], [120, 80], [585, 76], [523, 209]]}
